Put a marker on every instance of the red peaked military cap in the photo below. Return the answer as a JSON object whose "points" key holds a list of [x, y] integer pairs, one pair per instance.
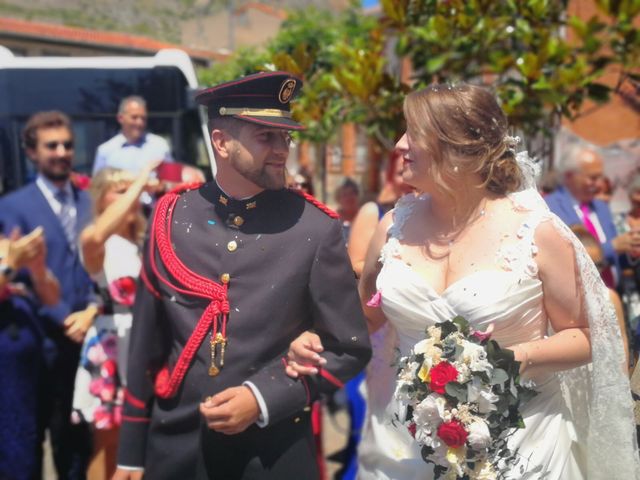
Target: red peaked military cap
{"points": [[262, 98]]}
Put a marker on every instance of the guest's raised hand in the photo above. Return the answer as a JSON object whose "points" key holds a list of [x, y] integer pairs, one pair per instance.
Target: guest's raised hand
{"points": [[304, 357], [22, 250]]}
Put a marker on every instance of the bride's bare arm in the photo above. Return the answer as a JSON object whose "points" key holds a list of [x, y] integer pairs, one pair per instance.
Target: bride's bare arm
{"points": [[570, 345], [367, 285]]}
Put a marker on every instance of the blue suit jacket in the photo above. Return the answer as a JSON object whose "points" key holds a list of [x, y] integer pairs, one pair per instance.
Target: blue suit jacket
{"points": [[28, 208], [562, 204]]}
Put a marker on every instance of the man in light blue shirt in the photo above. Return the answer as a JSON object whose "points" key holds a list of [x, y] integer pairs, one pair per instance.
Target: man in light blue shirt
{"points": [[133, 147]]}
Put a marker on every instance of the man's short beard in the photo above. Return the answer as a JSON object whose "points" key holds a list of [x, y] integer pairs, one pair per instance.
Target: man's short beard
{"points": [[57, 177], [259, 177], [264, 180]]}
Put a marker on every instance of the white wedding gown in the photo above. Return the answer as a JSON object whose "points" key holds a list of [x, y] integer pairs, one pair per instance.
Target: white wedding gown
{"points": [[507, 294]]}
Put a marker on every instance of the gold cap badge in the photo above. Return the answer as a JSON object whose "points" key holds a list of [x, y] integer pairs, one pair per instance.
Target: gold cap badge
{"points": [[286, 90]]}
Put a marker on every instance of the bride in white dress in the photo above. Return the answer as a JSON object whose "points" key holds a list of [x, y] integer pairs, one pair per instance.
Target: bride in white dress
{"points": [[480, 242]]}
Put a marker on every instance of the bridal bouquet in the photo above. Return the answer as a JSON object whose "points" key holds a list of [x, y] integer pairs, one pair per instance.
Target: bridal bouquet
{"points": [[462, 396]]}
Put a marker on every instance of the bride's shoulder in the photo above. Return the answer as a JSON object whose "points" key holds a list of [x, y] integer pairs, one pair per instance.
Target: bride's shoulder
{"points": [[406, 208]]}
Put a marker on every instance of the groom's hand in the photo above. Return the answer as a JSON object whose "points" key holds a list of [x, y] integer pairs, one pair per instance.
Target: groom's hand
{"points": [[231, 411]]}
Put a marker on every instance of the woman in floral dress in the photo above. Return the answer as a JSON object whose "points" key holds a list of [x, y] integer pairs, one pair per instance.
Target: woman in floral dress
{"points": [[111, 254]]}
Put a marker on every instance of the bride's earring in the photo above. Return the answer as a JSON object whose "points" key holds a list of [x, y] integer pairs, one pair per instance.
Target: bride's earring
{"points": [[455, 169]]}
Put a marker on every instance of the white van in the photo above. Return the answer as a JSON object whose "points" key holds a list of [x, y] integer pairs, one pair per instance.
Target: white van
{"points": [[89, 90]]}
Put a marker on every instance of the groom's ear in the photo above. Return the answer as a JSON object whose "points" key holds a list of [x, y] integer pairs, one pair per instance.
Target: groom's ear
{"points": [[222, 143]]}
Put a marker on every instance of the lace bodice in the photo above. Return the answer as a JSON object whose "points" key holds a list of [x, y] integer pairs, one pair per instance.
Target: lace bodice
{"points": [[484, 296], [498, 282]]}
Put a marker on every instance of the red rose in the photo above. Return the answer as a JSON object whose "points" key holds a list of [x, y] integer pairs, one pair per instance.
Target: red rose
{"points": [[442, 374], [452, 433], [412, 429], [123, 291], [80, 181]]}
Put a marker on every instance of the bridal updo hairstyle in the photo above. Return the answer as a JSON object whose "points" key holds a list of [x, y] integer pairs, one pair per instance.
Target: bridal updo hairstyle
{"points": [[464, 131]]}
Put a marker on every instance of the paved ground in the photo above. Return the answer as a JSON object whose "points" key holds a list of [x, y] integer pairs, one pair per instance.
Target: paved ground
{"points": [[334, 440], [334, 437]]}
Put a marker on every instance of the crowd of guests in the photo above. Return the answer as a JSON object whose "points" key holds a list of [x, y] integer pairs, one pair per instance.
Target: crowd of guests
{"points": [[70, 259]]}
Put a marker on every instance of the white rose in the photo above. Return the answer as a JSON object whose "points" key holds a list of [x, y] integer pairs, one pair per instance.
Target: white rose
{"points": [[430, 411], [486, 401], [479, 436], [405, 377], [476, 356], [425, 436], [407, 374], [482, 395]]}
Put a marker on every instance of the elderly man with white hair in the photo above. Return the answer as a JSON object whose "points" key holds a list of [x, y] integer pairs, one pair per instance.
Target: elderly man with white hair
{"points": [[575, 203]]}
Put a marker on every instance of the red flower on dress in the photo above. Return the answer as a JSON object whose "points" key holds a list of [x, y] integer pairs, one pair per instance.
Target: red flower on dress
{"points": [[80, 181], [109, 369], [442, 374], [123, 291], [103, 418], [412, 429], [453, 433]]}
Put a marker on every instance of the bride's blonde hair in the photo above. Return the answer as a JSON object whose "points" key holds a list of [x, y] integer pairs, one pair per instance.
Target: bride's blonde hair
{"points": [[106, 180], [464, 131]]}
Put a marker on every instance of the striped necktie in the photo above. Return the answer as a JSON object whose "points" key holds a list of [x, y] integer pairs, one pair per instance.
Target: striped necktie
{"points": [[67, 220]]}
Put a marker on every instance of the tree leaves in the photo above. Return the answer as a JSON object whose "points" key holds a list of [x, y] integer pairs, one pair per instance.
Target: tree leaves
{"points": [[520, 48]]}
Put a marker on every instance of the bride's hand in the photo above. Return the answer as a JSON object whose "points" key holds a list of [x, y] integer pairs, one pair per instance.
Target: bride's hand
{"points": [[303, 357]]}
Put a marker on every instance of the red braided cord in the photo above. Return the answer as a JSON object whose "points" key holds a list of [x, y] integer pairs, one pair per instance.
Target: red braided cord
{"points": [[196, 283], [167, 383], [145, 280], [157, 222], [314, 201]]}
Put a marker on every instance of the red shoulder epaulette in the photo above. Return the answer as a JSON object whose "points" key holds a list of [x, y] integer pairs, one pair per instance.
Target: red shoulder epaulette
{"points": [[317, 203], [185, 187], [174, 192]]}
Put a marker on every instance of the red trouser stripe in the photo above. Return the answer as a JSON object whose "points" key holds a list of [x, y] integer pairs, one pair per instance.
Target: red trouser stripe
{"points": [[330, 378]]}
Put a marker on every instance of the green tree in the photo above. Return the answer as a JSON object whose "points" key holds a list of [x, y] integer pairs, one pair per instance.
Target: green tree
{"points": [[243, 62], [519, 47], [342, 61]]}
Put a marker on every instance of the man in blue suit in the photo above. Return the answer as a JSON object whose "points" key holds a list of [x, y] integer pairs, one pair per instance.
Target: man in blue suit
{"points": [[574, 202], [62, 210]]}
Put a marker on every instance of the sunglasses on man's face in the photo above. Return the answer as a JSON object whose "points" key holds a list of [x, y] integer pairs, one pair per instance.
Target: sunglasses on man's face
{"points": [[68, 145]]}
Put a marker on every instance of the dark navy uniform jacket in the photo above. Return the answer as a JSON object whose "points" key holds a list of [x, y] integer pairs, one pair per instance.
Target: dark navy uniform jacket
{"points": [[287, 272]]}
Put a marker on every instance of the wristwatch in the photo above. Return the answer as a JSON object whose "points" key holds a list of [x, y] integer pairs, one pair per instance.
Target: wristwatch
{"points": [[6, 271]]}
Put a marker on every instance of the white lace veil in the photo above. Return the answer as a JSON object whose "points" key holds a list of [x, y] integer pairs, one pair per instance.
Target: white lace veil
{"points": [[598, 394]]}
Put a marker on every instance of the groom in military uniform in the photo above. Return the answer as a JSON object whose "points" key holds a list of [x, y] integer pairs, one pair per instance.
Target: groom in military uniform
{"points": [[233, 271]]}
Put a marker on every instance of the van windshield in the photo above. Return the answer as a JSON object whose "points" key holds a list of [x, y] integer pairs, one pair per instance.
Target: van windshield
{"points": [[91, 98]]}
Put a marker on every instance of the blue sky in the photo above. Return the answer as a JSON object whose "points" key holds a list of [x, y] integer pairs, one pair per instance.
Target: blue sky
{"points": [[369, 3]]}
